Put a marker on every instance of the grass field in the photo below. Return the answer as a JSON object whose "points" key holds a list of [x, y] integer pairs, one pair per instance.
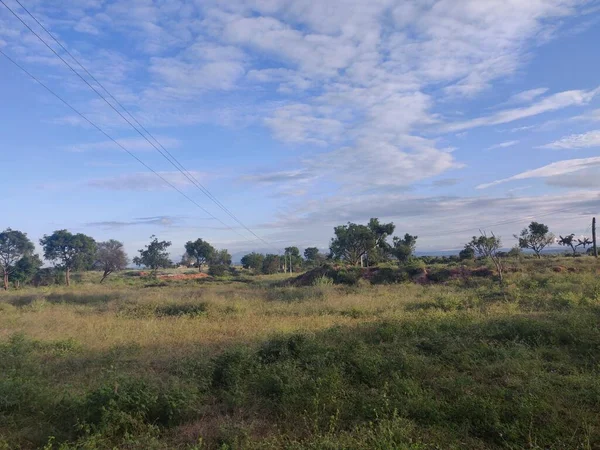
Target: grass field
{"points": [[252, 363]]}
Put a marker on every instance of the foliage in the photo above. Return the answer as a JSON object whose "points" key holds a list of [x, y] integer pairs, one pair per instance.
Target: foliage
{"points": [[271, 264], [404, 248], [535, 237], [382, 248], [467, 253], [220, 263], [352, 242], [201, 251], [26, 268], [292, 256], [155, 255], [14, 245], [110, 257], [70, 251], [253, 261], [311, 254]]}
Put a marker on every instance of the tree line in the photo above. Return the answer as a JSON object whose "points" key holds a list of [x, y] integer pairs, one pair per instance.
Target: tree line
{"points": [[354, 244]]}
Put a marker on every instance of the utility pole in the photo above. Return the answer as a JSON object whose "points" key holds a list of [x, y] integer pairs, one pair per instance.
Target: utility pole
{"points": [[594, 237]]}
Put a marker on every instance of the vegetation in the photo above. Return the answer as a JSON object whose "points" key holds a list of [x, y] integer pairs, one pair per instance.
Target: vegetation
{"points": [[199, 250], [155, 255], [70, 251], [535, 237], [110, 257], [14, 246], [456, 363]]}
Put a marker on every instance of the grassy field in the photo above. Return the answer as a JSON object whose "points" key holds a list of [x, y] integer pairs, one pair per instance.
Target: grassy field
{"points": [[252, 363]]}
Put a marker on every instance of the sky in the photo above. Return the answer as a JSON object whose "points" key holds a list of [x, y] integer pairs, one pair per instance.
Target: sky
{"points": [[443, 116]]}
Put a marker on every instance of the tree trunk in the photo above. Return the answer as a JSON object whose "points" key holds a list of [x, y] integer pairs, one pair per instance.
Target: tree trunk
{"points": [[199, 267], [68, 276], [5, 280], [106, 273]]}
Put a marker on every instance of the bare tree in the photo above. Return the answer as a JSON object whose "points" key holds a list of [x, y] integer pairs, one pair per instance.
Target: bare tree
{"points": [[488, 247]]}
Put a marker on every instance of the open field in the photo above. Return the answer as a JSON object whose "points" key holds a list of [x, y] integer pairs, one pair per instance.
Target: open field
{"points": [[252, 363]]}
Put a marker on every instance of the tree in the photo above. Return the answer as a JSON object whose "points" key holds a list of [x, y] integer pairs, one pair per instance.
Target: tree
{"points": [[584, 242], [110, 257], [253, 261], [311, 253], [352, 242], [200, 250], [26, 268], [14, 245], [382, 248], [71, 251], [292, 257], [155, 255], [466, 253], [487, 247], [271, 264], [219, 263], [568, 241], [404, 248], [536, 237]]}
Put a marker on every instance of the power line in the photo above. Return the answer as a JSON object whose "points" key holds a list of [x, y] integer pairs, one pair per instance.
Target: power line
{"points": [[165, 153], [111, 138]]}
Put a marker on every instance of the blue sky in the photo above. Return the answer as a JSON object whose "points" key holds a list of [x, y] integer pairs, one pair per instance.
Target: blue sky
{"points": [[442, 116]]}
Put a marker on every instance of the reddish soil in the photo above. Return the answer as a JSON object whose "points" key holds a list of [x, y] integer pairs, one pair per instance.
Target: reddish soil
{"points": [[182, 276]]}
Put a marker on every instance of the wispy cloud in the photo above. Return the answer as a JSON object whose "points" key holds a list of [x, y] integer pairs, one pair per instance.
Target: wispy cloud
{"points": [[144, 181], [163, 221], [576, 141], [551, 103], [503, 145], [550, 170]]}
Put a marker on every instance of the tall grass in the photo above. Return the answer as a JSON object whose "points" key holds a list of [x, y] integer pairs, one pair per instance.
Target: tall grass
{"points": [[463, 364]]}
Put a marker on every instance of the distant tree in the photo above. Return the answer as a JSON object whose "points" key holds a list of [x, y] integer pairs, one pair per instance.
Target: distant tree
{"points": [[382, 248], [311, 253], [155, 256], [515, 252], [71, 251], [14, 245], [110, 257], [26, 268], [253, 261], [201, 251], [292, 256], [352, 242], [219, 263], [271, 264], [186, 260], [488, 247], [536, 237], [585, 242], [404, 248], [568, 241], [466, 253]]}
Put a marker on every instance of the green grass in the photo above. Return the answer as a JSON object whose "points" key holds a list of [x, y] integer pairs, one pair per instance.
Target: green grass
{"points": [[462, 364]]}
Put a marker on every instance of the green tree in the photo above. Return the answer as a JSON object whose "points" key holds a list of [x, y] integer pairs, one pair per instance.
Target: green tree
{"points": [[70, 251], [488, 247], [311, 253], [293, 258], [253, 261], [382, 248], [466, 253], [219, 263], [271, 264], [568, 241], [404, 248], [26, 268], [201, 251], [352, 242], [535, 237], [14, 245], [155, 256], [110, 257]]}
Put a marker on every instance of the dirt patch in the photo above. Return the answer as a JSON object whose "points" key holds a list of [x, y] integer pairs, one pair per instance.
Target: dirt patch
{"points": [[184, 276]]}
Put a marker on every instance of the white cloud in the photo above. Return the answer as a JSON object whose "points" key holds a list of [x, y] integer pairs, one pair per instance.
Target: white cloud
{"points": [[503, 145], [550, 170], [526, 96], [551, 103], [574, 141]]}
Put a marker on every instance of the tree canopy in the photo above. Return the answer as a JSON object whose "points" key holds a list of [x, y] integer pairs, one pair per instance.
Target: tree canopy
{"points": [[154, 255], [253, 261], [535, 237], [352, 242], [69, 251], [110, 257], [201, 251], [404, 248], [14, 245]]}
